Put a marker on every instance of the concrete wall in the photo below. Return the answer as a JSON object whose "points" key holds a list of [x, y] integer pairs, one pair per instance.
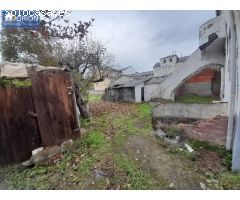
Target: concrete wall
{"points": [[166, 67], [168, 61], [138, 92], [163, 70], [236, 143], [214, 25], [200, 89], [191, 111], [150, 92]]}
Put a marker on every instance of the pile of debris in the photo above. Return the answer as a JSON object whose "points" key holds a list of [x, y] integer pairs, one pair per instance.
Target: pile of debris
{"points": [[100, 108], [173, 136], [48, 155]]}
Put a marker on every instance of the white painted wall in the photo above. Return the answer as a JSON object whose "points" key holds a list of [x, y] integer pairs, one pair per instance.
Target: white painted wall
{"points": [[167, 61], [166, 67], [226, 71], [236, 144], [195, 111], [214, 25], [138, 92], [150, 92]]}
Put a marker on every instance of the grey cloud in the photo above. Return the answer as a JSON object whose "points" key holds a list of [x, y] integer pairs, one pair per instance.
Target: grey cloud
{"points": [[140, 38]]}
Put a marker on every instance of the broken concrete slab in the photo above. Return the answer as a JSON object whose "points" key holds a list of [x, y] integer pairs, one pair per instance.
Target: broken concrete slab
{"points": [[160, 133], [171, 141], [67, 144], [188, 148], [44, 155]]}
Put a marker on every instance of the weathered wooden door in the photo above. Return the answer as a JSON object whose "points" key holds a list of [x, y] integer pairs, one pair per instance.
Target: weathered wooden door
{"points": [[53, 98], [19, 133]]}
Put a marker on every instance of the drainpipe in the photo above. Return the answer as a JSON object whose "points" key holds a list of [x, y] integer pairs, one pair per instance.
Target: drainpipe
{"points": [[232, 67]]}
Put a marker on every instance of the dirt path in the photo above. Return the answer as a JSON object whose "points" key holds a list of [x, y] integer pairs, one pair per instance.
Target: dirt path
{"points": [[162, 165]]}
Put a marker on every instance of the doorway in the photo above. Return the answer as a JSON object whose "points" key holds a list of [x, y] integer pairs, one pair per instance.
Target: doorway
{"points": [[142, 94]]}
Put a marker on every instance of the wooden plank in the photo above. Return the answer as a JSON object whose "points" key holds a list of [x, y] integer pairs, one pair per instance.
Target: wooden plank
{"points": [[41, 107], [60, 104], [19, 133], [74, 107]]}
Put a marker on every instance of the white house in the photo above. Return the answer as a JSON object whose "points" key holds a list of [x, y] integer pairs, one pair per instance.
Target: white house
{"points": [[167, 65], [161, 71]]}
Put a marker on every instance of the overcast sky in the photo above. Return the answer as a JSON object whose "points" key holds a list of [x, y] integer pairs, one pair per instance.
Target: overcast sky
{"points": [[141, 38]]}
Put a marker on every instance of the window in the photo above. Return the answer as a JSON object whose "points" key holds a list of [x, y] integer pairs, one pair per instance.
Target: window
{"points": [[170, 59], [164, 61], [218, 12]]}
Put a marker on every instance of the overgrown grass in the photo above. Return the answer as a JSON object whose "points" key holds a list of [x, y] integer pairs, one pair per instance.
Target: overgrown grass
{"points": [[93, 98], [144, 110], [230, 181], [106, 136], [191, 98], [137, 179], [95, 139], [225, 155]]}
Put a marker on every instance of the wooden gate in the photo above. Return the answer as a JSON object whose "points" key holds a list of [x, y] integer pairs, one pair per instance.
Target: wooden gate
{"points": [[53, 118], [19, 133]]}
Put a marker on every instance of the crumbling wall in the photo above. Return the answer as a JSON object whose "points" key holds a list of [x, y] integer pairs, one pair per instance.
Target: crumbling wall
{"points": [[205, 83]]}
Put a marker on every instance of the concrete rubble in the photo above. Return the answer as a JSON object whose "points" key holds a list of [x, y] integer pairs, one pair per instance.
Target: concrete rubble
{"points": [[188, 148], [42, 154]]}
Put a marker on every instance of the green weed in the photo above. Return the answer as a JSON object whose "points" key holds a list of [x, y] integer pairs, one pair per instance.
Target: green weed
{"points": [[191, 98], [94, 139], [226, 156]]}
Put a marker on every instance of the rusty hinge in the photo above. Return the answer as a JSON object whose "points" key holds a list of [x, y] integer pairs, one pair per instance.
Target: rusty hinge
{"points": [[71, 90], [32, 114]]}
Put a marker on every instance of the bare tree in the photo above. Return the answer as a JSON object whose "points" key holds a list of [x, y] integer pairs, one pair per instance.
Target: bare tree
{"points": [[89, 62]]}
